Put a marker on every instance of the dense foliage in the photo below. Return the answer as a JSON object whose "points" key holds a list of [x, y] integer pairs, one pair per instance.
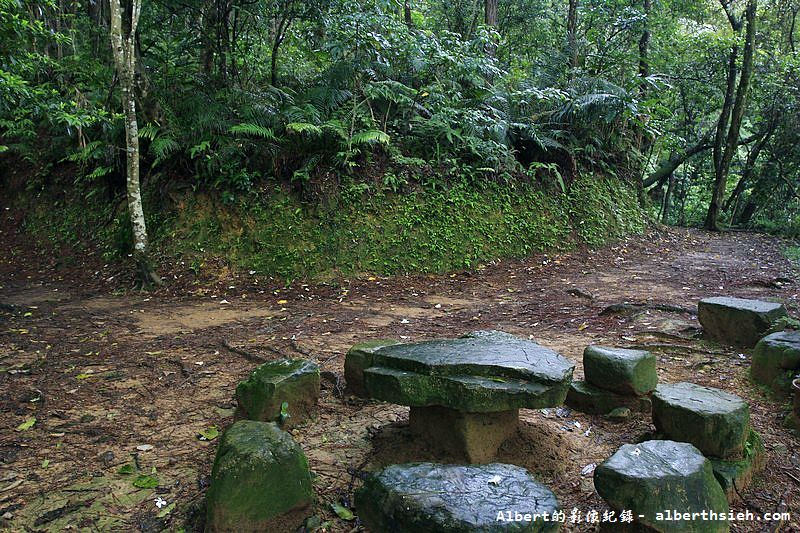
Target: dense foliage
{"points": [[317, 99]]}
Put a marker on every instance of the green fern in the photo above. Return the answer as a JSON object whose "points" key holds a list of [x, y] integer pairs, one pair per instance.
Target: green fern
{"points": [[304, 128], [370, 137], [253, 130]]}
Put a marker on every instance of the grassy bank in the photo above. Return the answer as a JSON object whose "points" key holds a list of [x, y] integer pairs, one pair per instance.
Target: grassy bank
{"points": [[273, 233]]}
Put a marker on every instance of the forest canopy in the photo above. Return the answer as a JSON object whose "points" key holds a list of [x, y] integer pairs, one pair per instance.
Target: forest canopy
{"points": [[695, 104]]}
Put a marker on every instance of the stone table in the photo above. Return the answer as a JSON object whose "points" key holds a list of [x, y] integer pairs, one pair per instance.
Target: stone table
{"points": [[465, 394]]}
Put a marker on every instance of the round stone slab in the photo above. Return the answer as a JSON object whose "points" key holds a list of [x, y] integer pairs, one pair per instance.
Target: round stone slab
{"points": [[455, 499], [485, 372], [620, 370], [738, 321], [776, 360], [659, 475], [715, 421]]}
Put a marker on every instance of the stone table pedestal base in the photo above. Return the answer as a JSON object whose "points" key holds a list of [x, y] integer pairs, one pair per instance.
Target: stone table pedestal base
{"points": [[476, 436]]}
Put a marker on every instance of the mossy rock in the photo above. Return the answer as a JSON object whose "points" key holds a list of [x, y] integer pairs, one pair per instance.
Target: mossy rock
{"points": [[657, 475], [735, 476], [738, 321], [715, 421], [776, 361], [436, 498], [291, 381], [260, 481], [620, 370], [593, 400], [359, 358]]}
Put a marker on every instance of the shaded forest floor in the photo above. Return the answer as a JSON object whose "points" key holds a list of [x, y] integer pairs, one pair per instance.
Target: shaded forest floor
{"points": [[117, 377]]}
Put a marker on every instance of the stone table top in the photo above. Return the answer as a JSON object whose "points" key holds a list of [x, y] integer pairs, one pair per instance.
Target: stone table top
{"points": [[482, 372]]}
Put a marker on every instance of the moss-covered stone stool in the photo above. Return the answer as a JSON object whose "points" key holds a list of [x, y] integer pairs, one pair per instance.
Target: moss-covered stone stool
{"points": [[776, 361], [260, 481], [294, 382], [465, 393], [359, 358], [715, 421], [615, 378], [657, 475], [415, 497], [629, 372], [738, 321]]}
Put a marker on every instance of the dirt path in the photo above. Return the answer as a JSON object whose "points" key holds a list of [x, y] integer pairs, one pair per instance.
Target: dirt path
{"points": [[104, 373]]}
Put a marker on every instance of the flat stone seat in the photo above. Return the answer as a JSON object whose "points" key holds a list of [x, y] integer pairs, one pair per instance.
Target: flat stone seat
{"points": [[465, 393], [715, 421], [620, 370], [738, 321], [776, 360], [294, 382], [455, 499], [657, 475]]}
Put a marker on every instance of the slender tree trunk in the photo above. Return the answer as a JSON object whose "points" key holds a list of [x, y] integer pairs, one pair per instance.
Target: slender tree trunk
{"points": [[668, 199], [723, 153], [123, 47], [407, 14], [572, 34], [747, 172], [644, 45]]}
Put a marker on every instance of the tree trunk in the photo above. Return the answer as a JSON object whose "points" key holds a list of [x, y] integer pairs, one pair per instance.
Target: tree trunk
{"points": [[644, 44], [723, 154], [749, 165], [125, 61], [572, 34], [668, 166], [490, 13], [407, 14], [668, 199]]}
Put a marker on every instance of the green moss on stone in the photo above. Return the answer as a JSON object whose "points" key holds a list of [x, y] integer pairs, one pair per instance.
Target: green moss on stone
{"points": [[620, 370], [260, 480], [735, 476]]}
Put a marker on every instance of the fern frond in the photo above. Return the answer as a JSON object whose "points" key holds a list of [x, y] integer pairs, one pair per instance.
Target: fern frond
{"points": [[304, 127], [370, 137], [253, 130]]}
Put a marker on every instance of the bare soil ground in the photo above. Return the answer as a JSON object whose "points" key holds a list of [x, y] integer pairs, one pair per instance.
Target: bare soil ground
{"points": [[118, 377]]}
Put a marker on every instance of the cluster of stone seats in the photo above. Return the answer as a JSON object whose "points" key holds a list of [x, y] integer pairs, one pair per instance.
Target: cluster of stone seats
{"points": [[707, 452], [465, 394], [747, 324], [617, 382]]}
